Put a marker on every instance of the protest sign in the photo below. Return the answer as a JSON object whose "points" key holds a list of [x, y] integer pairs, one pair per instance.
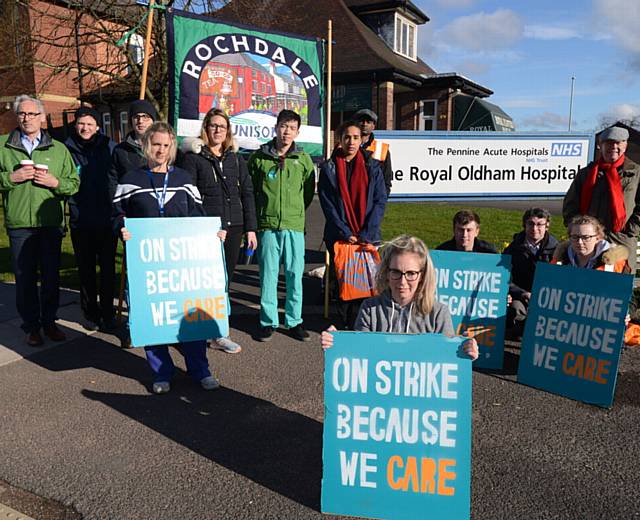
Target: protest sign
{"points": [[458, 165], [252, 74], [475, 286], [397, 426], [177, 280], [574, 332]]}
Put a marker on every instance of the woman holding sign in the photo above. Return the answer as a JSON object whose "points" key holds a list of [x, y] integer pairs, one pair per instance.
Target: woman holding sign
{"points": [[353, 195], [588, 249], [160, 190], [221, 176], [406, 303]]}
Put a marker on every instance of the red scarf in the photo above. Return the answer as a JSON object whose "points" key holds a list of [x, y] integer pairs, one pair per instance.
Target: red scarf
{"points": [[618, 213], [353, 193]]}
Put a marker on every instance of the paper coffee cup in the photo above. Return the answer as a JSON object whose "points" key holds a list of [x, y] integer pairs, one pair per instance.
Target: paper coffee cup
{"points": [[26, 162], [42, 167]]}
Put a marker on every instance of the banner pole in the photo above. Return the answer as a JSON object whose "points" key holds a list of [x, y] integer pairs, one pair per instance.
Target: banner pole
{"points": [[327, 267], [147, 49]]}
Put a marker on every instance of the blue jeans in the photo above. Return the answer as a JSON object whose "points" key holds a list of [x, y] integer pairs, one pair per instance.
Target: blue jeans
{"points": [[35, 254], [195, 357]]}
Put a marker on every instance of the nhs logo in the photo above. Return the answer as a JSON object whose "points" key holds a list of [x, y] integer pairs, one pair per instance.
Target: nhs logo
{"points": [[566, 149]]}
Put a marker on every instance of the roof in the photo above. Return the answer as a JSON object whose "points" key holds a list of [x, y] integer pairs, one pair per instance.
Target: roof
{"points": [[456, 81], [363, 6], [361, 51]]}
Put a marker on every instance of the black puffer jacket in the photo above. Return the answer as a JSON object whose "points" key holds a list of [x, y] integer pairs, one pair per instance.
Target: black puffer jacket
{"points": [[127, 156], [523, 262], [224, 184]]}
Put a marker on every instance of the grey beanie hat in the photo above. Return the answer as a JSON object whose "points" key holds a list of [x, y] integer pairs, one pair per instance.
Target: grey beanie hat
{"points": [[614, 133]]}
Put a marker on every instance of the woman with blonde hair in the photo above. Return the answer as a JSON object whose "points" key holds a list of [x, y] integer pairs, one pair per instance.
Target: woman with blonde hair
{"points": [[161, 190], [221, 176], [406, 301]]}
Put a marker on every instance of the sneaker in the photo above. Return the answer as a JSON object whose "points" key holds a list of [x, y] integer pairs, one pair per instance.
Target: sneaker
{"points": [[265, 333], [54, 333], [161, 387], [90, 325], [226, 345], [210, 383], [34, 339], [299, 333]]}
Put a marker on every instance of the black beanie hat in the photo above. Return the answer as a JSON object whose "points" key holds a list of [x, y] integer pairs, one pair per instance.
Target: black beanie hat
{"points": [[87, 111], [142, 106]]}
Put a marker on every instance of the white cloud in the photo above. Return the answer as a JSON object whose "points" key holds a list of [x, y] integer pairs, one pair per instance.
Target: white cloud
{"points": [[622, 111], [472, 68], [482, 31], [620, 19], [544, 121], [550, 32], [523, 102]]}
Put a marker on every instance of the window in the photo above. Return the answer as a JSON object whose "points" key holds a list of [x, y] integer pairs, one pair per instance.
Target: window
{"points": [[405, 37], [106, 125], [254, 86], [136, 48], [428, 114], [124, 124]]}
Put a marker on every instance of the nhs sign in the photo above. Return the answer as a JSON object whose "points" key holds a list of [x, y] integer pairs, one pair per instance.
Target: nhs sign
{"points": [[566, 149]]}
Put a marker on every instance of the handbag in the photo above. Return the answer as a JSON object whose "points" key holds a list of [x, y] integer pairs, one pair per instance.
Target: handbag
{"points": [[356, 266]]}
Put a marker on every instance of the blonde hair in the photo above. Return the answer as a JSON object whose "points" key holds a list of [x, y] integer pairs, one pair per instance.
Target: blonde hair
{"points": [[425, 295], [160, 127], [228, 141], [587, 220]]}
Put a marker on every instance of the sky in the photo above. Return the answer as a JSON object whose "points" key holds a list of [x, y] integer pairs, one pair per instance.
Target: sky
{"points": [[526, 51]]}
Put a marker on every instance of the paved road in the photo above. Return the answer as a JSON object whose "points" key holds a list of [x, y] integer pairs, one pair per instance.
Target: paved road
{"points": [[78, 426]]}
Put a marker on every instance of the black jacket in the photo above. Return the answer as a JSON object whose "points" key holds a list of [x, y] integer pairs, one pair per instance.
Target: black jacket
{"points": [[127, 156], [224, 185], [523, 262], [90, 207], [479, 246]]}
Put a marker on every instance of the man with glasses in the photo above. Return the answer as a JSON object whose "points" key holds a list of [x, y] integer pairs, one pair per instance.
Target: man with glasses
{"points": [[532, 245], [36, 174], [608, 190], [128, 155]]}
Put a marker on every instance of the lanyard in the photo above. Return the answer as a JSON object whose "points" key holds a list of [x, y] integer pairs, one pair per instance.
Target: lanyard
{"points": [[160, 198]]}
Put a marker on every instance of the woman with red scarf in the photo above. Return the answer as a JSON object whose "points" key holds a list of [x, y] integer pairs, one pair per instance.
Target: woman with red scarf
{"points": [[352, 195], [608, 190]]}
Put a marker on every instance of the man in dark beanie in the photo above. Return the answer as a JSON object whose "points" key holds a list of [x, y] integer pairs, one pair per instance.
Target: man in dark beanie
{"points": [[368, 119], [90, 219], [608, 190], [128, 154]]}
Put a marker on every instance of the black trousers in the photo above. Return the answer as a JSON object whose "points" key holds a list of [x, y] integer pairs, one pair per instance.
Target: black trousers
{"points": [[232, 249], [35, 254], [92, 248]]}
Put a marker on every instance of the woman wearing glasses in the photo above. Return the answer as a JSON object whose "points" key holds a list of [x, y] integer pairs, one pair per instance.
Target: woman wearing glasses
{"points": [[221, 176], [406, 301], [588, 249]]}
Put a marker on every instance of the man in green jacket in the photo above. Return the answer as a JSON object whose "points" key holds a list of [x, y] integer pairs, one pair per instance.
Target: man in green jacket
{"points": [[36, 173], [284, 183]]}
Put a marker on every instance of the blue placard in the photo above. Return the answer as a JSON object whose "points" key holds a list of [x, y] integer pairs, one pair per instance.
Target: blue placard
{"points": [[177, 280], [475, 286], [397, 426], [574, 332]]}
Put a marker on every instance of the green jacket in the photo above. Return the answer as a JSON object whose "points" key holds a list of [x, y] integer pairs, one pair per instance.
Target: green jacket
{"points": [[27, 204], [283, 187]]}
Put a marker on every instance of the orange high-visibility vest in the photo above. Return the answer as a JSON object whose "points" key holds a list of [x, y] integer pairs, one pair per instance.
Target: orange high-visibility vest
{"points": [[378, 150]]}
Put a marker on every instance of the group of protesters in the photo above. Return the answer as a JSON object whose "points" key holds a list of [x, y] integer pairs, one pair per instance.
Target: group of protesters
{"points": [[261, 203]]}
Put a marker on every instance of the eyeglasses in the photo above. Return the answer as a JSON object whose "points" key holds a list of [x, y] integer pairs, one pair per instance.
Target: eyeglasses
{"points": [[215, 128], [28, 115], [142, 117], [537, 224], [411, 276], [584, 238]]}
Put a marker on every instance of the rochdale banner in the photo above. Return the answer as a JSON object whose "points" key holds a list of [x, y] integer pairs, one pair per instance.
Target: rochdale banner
{"points": [[251, 74], [459, 165], [177, 280], [574, 332], [475, 286], [397, 426]]}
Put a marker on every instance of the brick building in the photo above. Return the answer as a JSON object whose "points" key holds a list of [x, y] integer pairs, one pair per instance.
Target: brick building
{"points": [[375, 63], [44, 41]]}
